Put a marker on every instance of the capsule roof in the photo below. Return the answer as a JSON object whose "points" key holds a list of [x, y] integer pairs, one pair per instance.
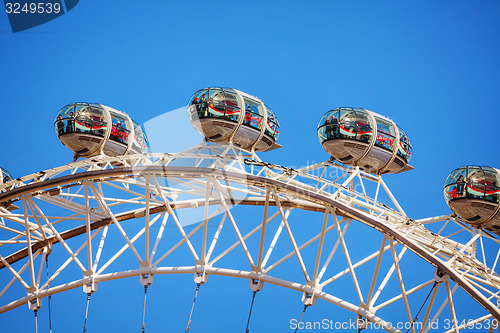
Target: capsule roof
{"points": [[359, 137], [229, 115], [90, 129]]}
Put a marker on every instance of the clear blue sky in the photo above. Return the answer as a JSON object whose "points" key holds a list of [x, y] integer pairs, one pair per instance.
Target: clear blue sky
{"points": [[430, 66]]}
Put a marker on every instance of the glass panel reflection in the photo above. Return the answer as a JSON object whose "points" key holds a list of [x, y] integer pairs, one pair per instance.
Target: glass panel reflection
{"points": [[473, 182], [6, 177], [329, 126], [81, 118], [253, 113], [119, 128], [404, 147], [215, 103], [385, 134], [140, 142], [233, 109], [272, 126], [225, 114], [345, 123]]}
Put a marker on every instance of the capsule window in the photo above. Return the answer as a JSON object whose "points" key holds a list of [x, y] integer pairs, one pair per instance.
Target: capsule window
{"points": [[473, 182], [65, 112], [194, 106], [253, 113], [492, 186], [82, 123], [458, 175], [233, 107], [119, 128], [404, 146], [216, 104], [198, 105], [6, 177], [475, 190], [455, 184], [328, 127], [198, 96], [475, 187], [65, 120], [90, 120], [385, 134], [364, 129], [140, 142], [347, 125], [272, 126]]}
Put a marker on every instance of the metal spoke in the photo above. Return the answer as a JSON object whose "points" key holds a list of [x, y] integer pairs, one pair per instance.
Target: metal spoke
{"points": [[320, 246], [233, 223], [452, 307], [177, 223], [332, 253], [401, 284], [290, 235], [386, 278], [275, 239], [441, 308], [377, 267], [429, 307], [110, 214], [348, 259]]}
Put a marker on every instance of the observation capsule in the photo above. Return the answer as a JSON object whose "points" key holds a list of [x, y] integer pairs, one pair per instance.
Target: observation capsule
{"points": [[359, 137], [229, 115], [6, 177], [91, 129], [473, 192]]}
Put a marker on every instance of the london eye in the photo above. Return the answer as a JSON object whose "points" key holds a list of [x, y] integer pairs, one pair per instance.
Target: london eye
{"points": [[331, 232]]}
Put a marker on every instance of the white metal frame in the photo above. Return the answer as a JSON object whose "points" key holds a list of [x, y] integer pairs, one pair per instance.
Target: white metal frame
{"points": [[154, 188]]}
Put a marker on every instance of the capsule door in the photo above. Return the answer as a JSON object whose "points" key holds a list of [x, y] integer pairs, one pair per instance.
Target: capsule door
{"points": [[251, 127], [119, 138], [271, 133], [383, 148]]}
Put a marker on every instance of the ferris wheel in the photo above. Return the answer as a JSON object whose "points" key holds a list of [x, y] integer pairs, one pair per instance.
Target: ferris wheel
{"points": [[332, 232]]}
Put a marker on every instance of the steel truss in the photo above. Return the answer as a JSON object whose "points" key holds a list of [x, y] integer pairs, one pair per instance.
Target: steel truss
{"points": [[73, 208]]}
